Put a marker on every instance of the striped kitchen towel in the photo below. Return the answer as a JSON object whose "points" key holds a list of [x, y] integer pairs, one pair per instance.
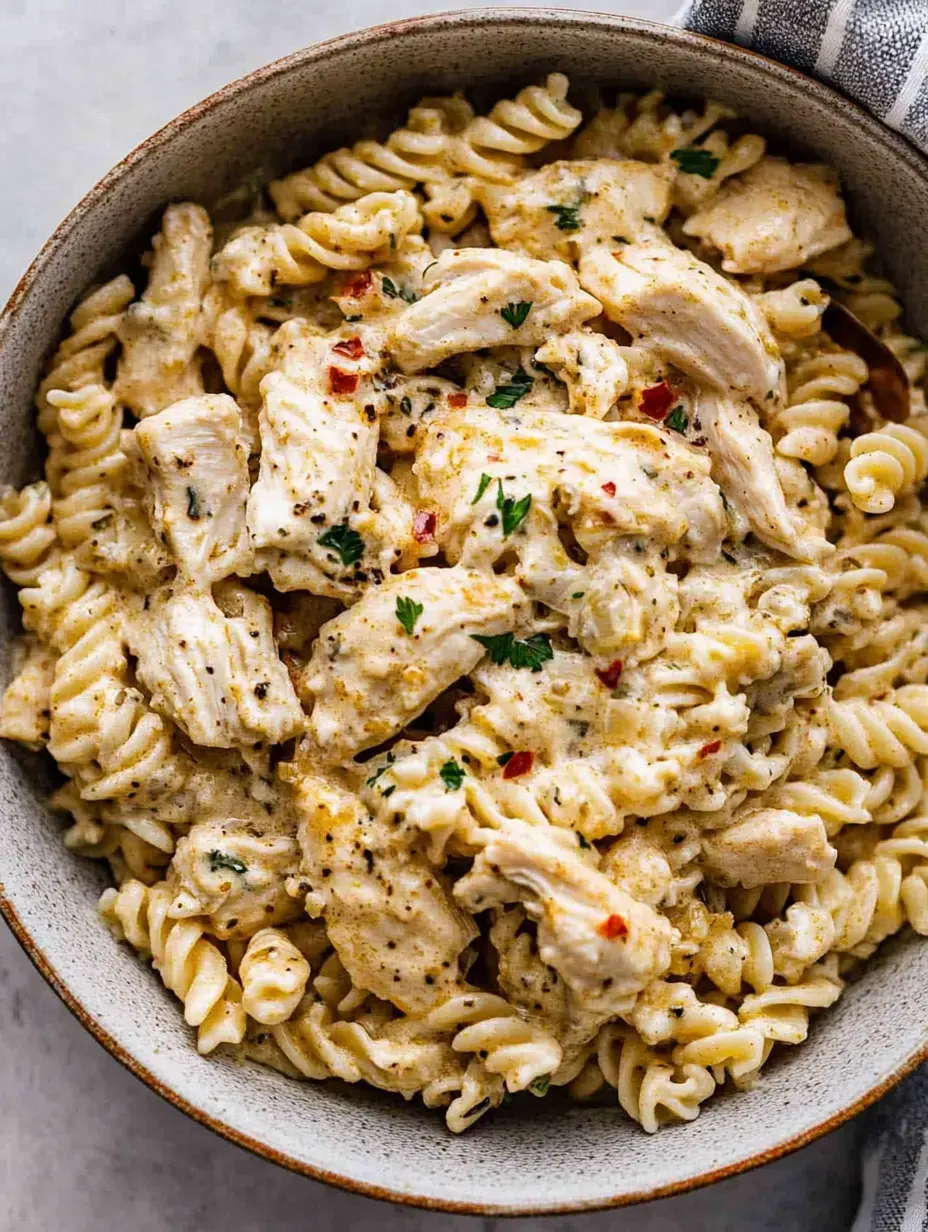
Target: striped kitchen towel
{"points": [[875, 51]]}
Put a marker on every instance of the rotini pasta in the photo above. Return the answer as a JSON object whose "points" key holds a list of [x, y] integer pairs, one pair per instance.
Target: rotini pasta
{"points": [[470, 619]]}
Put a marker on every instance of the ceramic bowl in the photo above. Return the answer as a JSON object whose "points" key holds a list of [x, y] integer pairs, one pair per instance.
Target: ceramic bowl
{"points": [[534, 1156]]}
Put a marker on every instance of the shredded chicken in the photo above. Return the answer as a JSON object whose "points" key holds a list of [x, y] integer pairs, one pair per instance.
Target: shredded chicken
{"points": [[675, 304], [196, 484], [468, 290], [768, 846], [575, 204], [776, 216]]}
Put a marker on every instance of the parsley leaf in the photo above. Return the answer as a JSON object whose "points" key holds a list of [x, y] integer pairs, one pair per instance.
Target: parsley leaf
{"points": [[346, 542], [503, 648], [485, 481], [394, 292], [515, 314], [695, 162], [568, 216], [377, 773], [452, 775], [540, 1085], [504, 397], [408, 612], [219, 859], [514, 511], [406, 405], [677, 420], [583, 842], [532, 652], [193, 505], [504, 759]]}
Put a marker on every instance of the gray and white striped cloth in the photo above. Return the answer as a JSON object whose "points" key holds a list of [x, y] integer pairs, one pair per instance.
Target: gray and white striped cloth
{"points": [[843, 42], [876, 52]]}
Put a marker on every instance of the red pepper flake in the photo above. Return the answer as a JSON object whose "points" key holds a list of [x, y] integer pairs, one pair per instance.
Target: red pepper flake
{"points": [[708, 749], [657, 400], [358, 284], [610, 675], [423, 528], [352, 347], [343, 382], [609, 488], [518, 764], [613, 926], [457, 400]]}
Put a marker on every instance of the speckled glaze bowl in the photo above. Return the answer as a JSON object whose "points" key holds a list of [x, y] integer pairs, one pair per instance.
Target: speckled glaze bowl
{"points": [[534, 1156]]}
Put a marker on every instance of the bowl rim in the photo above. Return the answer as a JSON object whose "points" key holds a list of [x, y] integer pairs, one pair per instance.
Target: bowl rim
{"points": [[368, 37]]}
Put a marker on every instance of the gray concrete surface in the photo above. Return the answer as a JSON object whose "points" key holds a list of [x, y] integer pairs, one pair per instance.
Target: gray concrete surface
{"points": [[83, 1145]]}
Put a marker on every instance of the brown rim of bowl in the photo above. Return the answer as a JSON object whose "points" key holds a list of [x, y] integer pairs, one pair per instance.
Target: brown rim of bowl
{"points": [[648, 31]]}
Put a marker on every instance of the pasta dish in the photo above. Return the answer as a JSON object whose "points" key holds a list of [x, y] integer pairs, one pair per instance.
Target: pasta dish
{"points": [[475, 603]]}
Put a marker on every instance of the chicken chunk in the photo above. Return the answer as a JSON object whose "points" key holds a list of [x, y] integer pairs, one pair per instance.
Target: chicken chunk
{"points": [[467, 292], [26, 705], [237, 877], [743, 466], [161, 333], [678, 306], [378, 665], [605, 479], [196, 485], [776, 216], [388, 913], [215, 670], [768, 846], [309, 508], [572, 205], [604, 944], [593, 368]]}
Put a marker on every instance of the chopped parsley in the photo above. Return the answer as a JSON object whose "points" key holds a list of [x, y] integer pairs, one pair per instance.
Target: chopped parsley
{"points": [[193, 505], [504, 648], [540, 1085], [452, 775], [376, 775], [514, 512], [567, 216], [485, 481], [219, 859], [408, 612], [394, 292], [406, 405], [583, 842], [504, 759], [728, 556], [578, 594], [515, 314], [677, 420], [347, 543], [505, 396], [693, 161]]}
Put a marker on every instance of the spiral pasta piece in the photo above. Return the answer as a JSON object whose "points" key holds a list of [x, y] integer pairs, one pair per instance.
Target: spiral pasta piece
{"points": [[257, 259], [492, 147], [89, 462], [651, 1089], [507, 1043], [28, 542], [241, 344], [816, 411], [418, 153], [190, 965], [875, 733], [80, 358], [273, 974], [884, 465]]}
